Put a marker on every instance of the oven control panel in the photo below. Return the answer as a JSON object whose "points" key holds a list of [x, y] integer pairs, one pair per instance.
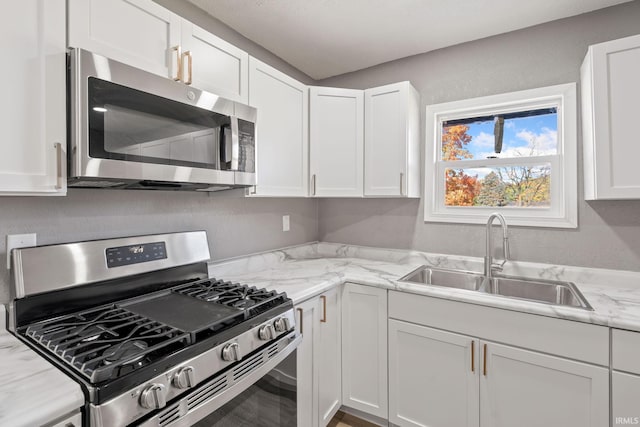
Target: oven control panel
{"points": [[135, 254]]}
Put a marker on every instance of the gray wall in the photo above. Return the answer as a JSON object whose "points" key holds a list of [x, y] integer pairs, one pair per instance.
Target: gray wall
{"points": [[235, 225], [609, 232]]}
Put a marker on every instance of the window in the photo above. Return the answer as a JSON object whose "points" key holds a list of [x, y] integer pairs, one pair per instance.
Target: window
{"points": [[513, 153]]}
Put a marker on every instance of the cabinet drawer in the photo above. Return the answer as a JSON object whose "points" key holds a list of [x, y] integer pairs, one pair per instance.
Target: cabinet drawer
{"points": [[625, 351], [574, 340]]}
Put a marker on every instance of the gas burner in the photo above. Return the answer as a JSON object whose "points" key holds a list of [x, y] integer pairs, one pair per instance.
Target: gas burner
{"points": [[124, 351], [93, 332]]}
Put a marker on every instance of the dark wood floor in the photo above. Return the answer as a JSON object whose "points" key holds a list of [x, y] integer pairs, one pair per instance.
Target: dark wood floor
{"points": [[346, 420]]}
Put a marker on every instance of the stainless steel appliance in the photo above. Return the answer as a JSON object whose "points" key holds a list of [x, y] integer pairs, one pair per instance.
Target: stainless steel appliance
{"points": [[136, 130], [151, 339]]}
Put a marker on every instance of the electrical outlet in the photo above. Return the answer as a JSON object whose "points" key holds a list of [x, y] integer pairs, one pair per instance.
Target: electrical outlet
{"points": [[18, 241], [285, 223]]}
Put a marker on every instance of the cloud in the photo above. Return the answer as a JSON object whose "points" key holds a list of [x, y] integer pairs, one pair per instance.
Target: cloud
{"points": [[540, 144], [483, 140], [535, 144]]}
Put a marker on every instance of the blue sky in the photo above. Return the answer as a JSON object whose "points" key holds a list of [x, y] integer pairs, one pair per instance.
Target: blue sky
{"points": [[535, 135]]}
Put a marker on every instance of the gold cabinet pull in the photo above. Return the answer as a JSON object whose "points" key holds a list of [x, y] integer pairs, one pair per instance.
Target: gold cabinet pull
{"points": [[187, 54], [401, 184], [59, 165], [324, 309], [177, 50], [301, 312], [473, 356], [484, 361]]}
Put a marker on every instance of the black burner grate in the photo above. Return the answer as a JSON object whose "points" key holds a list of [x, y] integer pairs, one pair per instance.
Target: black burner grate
{"points": [[107, 342]]}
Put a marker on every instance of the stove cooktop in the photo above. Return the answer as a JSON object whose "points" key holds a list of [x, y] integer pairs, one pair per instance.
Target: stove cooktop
{"points": [[111, 341]]}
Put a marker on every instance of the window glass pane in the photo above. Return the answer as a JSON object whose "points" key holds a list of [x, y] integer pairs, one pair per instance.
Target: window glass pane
{"points": [[507, 186], [521, 134]]}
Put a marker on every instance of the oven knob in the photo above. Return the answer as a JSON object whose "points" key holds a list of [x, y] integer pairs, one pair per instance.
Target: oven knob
{"points": [[282, 324], [231, 352], [152, 397], [184, 378], [266, 332]]}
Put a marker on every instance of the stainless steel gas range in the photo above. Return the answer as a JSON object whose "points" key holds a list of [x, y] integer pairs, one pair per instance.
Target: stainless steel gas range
{"points": [[151, 339]]}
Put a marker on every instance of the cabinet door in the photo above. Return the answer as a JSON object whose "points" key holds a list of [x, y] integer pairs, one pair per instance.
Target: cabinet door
{"points": [[433, 377], [140, 33], [527, 389], [611, 90], [33, 98], [336, 142], [329, 357], [391, 146], [217, 67], [625, 403], [307, 376], [282, 131], [364, 349]]}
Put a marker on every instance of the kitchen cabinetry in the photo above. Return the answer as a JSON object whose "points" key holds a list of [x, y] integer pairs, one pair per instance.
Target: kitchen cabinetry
{"points": [[566, 390], [625, 377], [74, 420], [155, 39], [33, 100], [392, 141], [282, 132], [610, 93], [364, 349], [218, 66], [336, 142], [433, 377], [319, 359]]}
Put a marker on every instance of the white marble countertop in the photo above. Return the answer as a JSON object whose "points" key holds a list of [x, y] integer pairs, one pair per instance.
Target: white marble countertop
{"points": [[32, 391], [308, 270]]}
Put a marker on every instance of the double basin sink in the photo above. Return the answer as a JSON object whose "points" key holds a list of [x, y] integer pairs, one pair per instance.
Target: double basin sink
{"points": [[537, 290]]}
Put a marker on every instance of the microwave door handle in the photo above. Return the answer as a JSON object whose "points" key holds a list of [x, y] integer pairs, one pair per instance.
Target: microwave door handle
{"points": [[235, 144], [225, 146]]}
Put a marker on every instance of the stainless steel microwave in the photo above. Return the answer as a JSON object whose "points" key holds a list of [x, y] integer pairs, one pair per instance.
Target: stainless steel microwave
{"points": [[132, 129]]}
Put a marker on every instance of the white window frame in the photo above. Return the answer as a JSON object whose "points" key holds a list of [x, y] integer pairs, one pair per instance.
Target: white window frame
{"points": [[563, 212]]}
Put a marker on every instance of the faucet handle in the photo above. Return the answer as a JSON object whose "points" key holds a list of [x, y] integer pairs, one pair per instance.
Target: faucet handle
{"points": [[506, 249]]}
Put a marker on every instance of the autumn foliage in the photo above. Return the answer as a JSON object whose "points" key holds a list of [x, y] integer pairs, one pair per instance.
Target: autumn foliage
{"points": [[461, 189]]}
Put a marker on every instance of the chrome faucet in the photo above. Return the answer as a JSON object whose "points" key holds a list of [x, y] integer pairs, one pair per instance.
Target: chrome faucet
{"points": [[489, 266]]}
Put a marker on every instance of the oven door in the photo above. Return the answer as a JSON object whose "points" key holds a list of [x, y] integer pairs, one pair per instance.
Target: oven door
{"points": [[259, 391]]}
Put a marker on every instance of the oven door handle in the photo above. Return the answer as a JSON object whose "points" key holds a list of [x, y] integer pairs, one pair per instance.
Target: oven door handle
{"points": [[190, 416]]}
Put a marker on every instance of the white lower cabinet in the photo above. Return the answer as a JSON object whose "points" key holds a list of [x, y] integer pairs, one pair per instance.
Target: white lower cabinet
{"points": [[625, 398], [446, 367], [433, 378], [528, 389], [306, 374], [364, 349], [319, 355], [625, 377], [445, 379]]}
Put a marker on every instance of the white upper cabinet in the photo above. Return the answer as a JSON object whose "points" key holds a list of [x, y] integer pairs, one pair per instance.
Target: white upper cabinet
{"points": [[392, 137], [282, 131], [610, 93], [140, 33], [216, 66], [32, 82], [145, 35], [336, 142]]}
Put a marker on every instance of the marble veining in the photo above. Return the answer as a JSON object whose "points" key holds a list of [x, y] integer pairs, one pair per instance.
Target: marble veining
{"points": [[32, 391], [308, 270]]}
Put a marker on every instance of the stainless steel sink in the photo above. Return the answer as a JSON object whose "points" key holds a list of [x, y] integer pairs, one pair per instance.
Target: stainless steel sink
{"points": [[426, 275], [537, 290]]}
